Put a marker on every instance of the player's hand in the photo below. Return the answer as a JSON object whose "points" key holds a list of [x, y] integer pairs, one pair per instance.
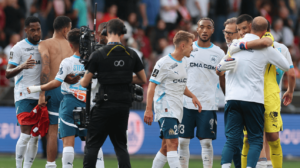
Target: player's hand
{"points": [[29, 63], [72, 79], [287, 98], [33, 89], [197, 103], [237, 46], [226, 64], [148, 117], [42, 101]]}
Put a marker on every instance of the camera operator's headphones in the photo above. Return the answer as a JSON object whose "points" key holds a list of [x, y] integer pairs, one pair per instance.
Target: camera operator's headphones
{"points": [[104, 31]]}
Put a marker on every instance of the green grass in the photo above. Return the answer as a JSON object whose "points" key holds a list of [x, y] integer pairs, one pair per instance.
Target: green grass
{"points": [[136, 162]]}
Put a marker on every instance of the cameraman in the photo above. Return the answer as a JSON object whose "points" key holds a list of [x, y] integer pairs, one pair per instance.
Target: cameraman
{"points": [[114, 65]]}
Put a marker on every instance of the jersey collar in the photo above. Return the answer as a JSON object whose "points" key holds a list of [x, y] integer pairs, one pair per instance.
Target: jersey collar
{"points": [[174, 58], [76, 56], [211, 45], [31, 43]]}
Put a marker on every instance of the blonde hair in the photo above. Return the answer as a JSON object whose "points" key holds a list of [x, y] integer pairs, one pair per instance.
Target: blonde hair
{"points": [[182, 36]]}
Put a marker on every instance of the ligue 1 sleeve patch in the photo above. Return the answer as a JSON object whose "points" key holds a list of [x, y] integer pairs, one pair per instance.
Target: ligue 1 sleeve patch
{"points": [[155, 72], [11, 55]]}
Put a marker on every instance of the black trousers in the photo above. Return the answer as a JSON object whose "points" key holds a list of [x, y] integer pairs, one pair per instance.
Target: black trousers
{"points": [[105, 122]]}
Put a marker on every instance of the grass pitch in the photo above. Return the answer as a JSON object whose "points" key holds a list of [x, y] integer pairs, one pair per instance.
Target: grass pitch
{"points": [[136, 162]]}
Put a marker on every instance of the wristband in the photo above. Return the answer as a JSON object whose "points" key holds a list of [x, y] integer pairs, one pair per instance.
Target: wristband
{"points": [[34, 89], [243, 46]]}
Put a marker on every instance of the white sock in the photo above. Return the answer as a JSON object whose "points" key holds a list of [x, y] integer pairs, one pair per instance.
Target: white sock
{"points": [[261, 164], [21, 149], [184, 152], [269, 164], [159, 161], [68, 157], [51, 164], [249, 167], [207, 153], [173, 159], [226, 165], [100, 159], [31, 152]]}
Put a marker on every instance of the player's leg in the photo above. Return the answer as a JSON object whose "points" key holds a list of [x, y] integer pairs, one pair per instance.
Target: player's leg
{"points": [[245, 149], [267, 151], [24, 105], [118, 137], [186, 132], [31, 151], [206, 132], [262, 161], [169, 131], [237, 154], [100, 159], [273, 124], [53, 105], [68, 151], [233, 131], [161, 157], [253, 115]]}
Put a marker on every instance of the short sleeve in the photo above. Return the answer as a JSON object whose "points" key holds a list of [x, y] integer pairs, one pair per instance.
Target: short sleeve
{"points": [[288, 56], [15, 56], [159, 73], [138, 63], [63, 71], [93, 61], [76, 5]]}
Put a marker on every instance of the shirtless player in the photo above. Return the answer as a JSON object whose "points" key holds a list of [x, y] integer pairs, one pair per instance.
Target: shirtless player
{"points": [[53, 51]]}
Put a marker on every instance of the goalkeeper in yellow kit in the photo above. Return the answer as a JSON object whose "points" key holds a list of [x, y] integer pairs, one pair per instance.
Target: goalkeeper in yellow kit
{"points": [[273, 122]]}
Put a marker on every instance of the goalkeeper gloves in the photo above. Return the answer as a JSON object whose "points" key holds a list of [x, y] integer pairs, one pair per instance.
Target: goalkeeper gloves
{"points": [[226, 64]]}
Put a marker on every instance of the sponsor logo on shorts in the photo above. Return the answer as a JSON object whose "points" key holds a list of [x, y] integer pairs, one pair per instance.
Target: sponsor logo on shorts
{"points": [[273, 115], [155, 72], [171, 132], [211, 122], [275, 125]]}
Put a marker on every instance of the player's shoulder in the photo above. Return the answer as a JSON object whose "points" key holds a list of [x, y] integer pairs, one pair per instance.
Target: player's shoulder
{"points": [[268, 34], [164, 61], [218, 50], [280, 46]]}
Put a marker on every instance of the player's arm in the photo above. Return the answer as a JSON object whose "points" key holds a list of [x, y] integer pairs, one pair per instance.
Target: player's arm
{"points": [[139, 78], [195, 101], [288, 95], [45, 73], [87, 78], [259, 43], [277, 59], [222, 83], [14, 69], [49, 86], [148, 115]]}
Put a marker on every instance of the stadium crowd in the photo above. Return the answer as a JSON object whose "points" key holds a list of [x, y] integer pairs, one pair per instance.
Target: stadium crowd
{"points": [[151, 24]]}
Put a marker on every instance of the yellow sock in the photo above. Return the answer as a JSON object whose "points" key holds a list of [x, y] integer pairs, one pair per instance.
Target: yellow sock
{"points": [[245, 151], [276, 153]]}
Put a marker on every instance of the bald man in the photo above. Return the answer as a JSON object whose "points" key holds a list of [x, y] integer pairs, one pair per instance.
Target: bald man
{"points": [[245, 95]]}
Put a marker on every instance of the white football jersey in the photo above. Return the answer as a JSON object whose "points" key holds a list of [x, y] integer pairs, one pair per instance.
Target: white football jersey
{"points": [[71, 65], [27, 77], [203, 81], [170, 77], [246, 81], [285, 52]]}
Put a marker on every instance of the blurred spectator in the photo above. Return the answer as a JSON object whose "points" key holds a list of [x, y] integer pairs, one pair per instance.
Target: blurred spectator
{"points": [[59, 7], [162, 44], [2, 14], [198, 9], [80, 11], [288, 36], [168, 13], [131, 43], [28, 4], [159, 32], [248, 7], [183, 10], [3, 63], [14, 18], [168, 49], [131, 25], [110, 14], [221, 7], [43, 9], [149, 10], [234, 8], [14, 38], [277, 30], [144, 42], [265, 10]]}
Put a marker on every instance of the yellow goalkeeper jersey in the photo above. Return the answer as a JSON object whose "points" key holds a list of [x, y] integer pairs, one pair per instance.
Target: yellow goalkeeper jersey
{"points": [[270, 83]]}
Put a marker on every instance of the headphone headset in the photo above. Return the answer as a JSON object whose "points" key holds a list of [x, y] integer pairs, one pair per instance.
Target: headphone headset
{"points": [[104, 31]]}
